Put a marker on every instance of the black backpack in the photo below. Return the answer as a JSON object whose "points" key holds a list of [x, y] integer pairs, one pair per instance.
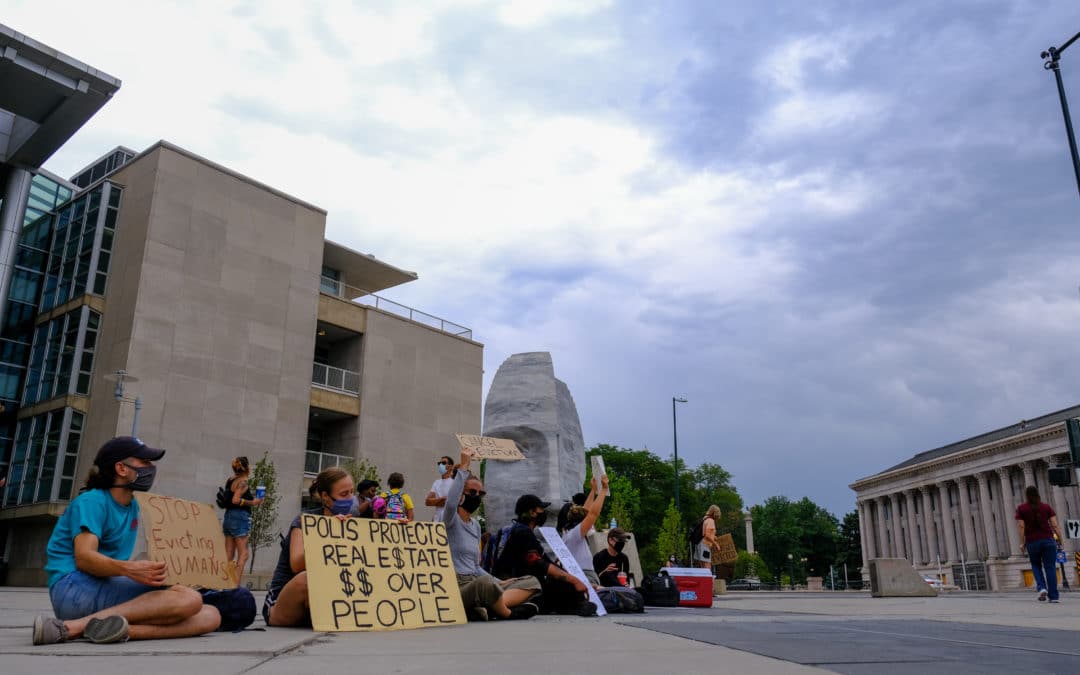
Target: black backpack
{"points": [[224, 498], [236, 606], [621, 600], [697, 533], [660, 590]]}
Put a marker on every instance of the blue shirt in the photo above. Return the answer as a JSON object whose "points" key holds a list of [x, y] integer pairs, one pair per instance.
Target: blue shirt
{"points": [[96, 512]]}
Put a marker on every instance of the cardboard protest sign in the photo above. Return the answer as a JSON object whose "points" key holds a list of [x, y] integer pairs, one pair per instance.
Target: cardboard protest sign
{"points": [[566, 559], [485, 447], [725, 550], [187, 536], [598, 469], [366, 574]]}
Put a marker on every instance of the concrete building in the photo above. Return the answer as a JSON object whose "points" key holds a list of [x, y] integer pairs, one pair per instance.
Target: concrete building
{"points": [[955, 505], [240, 328]]}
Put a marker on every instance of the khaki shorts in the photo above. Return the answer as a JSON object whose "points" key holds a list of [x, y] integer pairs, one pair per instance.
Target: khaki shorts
{"points": [[485, 590]]}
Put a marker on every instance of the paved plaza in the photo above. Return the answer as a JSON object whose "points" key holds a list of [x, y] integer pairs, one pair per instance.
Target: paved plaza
{"points": [[743, 633]]}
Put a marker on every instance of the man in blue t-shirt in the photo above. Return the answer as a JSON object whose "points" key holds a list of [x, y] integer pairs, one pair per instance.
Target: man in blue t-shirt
{"points": [[97, 592]]}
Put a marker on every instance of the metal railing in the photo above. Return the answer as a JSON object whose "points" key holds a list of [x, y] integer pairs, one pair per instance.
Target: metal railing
{"points": [[337, 379], [315, 461], [339, 289]]}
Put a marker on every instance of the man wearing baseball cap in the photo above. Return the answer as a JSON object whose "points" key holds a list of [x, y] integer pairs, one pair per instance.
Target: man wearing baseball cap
{"points": [[522, 555], [98, 593]]}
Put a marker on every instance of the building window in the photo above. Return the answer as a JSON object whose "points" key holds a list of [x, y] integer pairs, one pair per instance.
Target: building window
{"points": [[62, 358], [45, 457], [82, 246], [331, 281]]}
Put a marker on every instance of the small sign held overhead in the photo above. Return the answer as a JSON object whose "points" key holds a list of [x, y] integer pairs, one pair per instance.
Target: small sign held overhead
{"points": [[486, 447], [598, 469]]}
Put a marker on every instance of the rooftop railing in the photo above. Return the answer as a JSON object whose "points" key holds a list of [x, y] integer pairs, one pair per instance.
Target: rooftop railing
{"points": [[337, 379], [339, 289]]}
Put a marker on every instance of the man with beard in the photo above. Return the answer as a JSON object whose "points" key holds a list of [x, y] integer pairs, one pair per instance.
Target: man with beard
{"points": [[519, 553], [483, 595]]}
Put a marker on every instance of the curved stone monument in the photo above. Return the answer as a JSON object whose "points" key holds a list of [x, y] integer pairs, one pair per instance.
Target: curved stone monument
{"points": [[527, 404]]}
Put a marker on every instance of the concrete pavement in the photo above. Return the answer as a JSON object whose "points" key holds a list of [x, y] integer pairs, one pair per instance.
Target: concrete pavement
{"points": [[747, 633]]}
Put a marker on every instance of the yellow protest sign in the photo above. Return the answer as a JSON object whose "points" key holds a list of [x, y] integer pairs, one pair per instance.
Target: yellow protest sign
{"points": [[366, 574], [486, 447], [725, 550], [187, 536]]}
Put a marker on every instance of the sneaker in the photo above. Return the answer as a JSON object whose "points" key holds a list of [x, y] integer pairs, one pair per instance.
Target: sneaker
{"points": [[1042, 595], [586, 608], [106, 631], [477, 614], [1055, 602], [525, 610], [49, 631]]}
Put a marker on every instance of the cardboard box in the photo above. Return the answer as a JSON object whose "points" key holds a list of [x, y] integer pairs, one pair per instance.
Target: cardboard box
{"points": [[695, 585]]}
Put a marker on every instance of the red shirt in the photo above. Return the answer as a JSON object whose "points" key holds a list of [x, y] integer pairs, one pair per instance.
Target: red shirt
{"points": [[1036, 521]]}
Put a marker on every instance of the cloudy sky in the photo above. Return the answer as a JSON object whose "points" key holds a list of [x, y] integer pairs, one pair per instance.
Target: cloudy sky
{"points": [[846, 231]]}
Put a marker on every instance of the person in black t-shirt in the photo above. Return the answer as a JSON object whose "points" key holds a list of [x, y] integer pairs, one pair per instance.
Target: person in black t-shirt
{"points": [[609, 562], [523, 555], [237, 521]]}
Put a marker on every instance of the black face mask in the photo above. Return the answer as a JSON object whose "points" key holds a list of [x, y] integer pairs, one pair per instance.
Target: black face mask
{"points": [[540, 519], [619, 546], [144, 478], [471, 502]]}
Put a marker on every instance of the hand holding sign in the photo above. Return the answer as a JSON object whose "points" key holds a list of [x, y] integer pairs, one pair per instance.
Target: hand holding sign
{"points": [[185, 538]]}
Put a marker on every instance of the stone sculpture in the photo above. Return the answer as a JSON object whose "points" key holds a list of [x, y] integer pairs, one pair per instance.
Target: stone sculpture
{"points": [[527, 404]]}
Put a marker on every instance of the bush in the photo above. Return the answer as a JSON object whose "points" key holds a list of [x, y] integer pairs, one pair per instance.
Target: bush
{"points": [[751, 565], [264, 515]]}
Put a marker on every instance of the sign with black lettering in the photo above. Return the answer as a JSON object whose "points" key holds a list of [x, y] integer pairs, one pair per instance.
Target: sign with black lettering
{"points": [[366, 574], [486, 447], [187, 536], [570, 564], [1072, 529]]}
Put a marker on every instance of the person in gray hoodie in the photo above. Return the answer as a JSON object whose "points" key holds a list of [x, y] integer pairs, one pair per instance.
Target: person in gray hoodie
{"points": [[483, 595]]}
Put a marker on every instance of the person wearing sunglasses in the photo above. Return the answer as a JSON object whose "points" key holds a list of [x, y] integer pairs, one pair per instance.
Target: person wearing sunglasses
{"points": [[483, 595]]}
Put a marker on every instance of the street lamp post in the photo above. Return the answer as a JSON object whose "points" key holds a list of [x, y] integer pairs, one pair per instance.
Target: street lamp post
{"points": [[791, 570], [1052, 61], [675, 439], [120, 377]]}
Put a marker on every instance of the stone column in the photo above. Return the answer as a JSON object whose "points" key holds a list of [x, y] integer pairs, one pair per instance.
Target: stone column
{"points": [[932, 552], [894, 523], [865, 536], [750, 531], [881, 542], [970, 545], [913, 529], [1006, 511], [986, 510], [947, 522], [1029, 474]]}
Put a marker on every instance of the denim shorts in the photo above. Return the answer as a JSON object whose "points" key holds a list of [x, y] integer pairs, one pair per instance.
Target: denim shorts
{"points": [[237, 523], [78, 594]]}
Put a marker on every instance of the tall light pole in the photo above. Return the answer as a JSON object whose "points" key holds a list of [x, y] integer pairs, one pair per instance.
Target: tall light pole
{"points": [[1052, 58], [675, 438]]}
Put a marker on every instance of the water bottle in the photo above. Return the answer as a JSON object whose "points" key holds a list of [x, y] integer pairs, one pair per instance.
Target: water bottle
{"points": [[613, 524]]}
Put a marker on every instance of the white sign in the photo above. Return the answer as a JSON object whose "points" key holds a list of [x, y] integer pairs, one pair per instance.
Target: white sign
{"points": [[1072, 529], [598, 470], [558, 547]]}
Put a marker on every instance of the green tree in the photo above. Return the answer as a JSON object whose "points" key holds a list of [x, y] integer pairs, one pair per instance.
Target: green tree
{"points": [[800, 529], [361, 469], [670, 539], [623, 504], [751, 565], [849, 546], [264, 516]]}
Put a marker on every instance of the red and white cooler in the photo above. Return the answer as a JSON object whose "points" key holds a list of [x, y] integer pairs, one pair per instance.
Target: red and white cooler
{"points": [[695, 585]]}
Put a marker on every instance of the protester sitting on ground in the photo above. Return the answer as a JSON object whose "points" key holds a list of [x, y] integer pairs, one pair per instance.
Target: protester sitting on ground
{"points": [[286, 601], [579, 522], [97, 592], [441, 487], [703, 548], [237, 521], [481, 593], [609, 562], [519, 554], [1038, 526], [398, 505], [366, 492], [564, 512]]}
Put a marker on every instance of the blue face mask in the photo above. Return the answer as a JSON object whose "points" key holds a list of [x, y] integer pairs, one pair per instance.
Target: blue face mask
{"points": [[442, 469], [342, 507]]}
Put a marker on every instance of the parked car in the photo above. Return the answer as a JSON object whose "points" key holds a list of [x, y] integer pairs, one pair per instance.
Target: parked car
{"points": [[934, 582], [744, 585]]}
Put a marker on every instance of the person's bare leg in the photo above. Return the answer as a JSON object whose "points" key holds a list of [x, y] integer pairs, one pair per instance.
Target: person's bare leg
{"points": [[500, 608], [206, 620], [242, 555], [291, 608], [168, 606], [515, 596], [230, 548]]}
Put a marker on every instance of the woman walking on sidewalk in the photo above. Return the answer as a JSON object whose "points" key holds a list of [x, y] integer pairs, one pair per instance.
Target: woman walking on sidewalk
{"points": [[1038, 525]]}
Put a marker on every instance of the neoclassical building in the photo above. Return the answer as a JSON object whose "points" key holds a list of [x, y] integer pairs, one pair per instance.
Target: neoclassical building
{"points": [[952, 508]]}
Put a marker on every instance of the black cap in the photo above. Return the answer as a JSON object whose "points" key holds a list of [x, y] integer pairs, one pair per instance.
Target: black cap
{"points": [[122, 447], [526, 503]]}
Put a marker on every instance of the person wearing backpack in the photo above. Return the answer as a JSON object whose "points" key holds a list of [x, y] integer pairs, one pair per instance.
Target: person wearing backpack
{"points": [[398, 505], [236, 525], [703, 538], [483, 595], [1038, 525]]}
